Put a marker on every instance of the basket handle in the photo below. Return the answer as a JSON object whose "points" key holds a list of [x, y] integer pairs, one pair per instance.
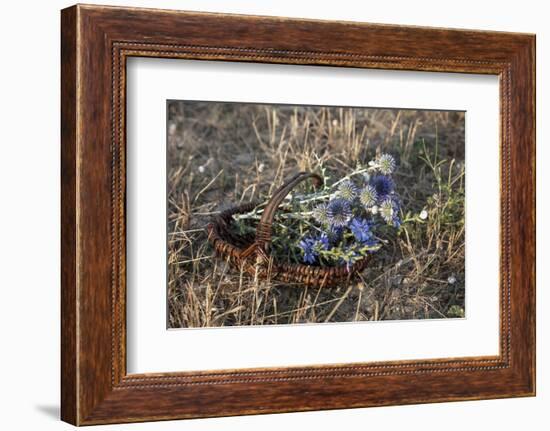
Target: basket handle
{"points": [[263, 230]]}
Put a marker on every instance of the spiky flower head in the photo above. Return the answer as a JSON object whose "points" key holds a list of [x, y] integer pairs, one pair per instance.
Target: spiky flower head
{"points": [[382, 184], [368, 196], [320, 213], [347, 190], [386, 164], [339, 212], [389, 210]]}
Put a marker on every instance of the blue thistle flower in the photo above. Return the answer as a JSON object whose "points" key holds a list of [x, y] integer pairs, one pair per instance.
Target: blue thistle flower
{"points": [[362, 230], [389, 210], [320, 213], [347, 190], [382, 184], [386, 164], [368, 196], [339, 212]]}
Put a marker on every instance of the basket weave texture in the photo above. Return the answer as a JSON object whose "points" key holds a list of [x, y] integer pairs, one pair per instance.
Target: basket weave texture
{"points": [[252, 254]]}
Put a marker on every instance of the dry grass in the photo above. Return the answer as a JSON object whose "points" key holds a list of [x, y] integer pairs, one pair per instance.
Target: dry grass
{"points": [[220, 154]]}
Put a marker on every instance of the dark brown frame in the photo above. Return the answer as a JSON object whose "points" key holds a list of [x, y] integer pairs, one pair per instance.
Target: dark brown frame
{"points": [[95, 43]]}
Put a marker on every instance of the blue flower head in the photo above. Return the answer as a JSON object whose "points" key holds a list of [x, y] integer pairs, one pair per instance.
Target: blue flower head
{"points": [[312, 246], [347, 190], [362, 231], [382, 184], [386, 164], [368, 196], [320, 213], [307, 245], [389, 210], [339, 212], [323, 241]]}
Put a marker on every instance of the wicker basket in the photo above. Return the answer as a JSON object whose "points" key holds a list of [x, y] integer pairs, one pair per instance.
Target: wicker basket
{"points": [[253, 254]]}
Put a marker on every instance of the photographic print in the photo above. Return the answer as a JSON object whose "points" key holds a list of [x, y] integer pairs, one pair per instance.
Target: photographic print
{"points": [[291, 214]]}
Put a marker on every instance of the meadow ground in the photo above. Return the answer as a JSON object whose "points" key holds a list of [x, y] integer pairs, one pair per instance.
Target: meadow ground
{"points": [[220, 154]]}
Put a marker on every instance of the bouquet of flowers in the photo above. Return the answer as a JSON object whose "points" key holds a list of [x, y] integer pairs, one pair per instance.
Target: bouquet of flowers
{"points": [[349, 216], [338, 225]]}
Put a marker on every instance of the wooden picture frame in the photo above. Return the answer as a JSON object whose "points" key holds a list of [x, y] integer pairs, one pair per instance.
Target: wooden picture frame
{"points": [[96, 41]]}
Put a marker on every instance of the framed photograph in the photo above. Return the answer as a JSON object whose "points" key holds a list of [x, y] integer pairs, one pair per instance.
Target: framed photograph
{"points": [[264, 215]]}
